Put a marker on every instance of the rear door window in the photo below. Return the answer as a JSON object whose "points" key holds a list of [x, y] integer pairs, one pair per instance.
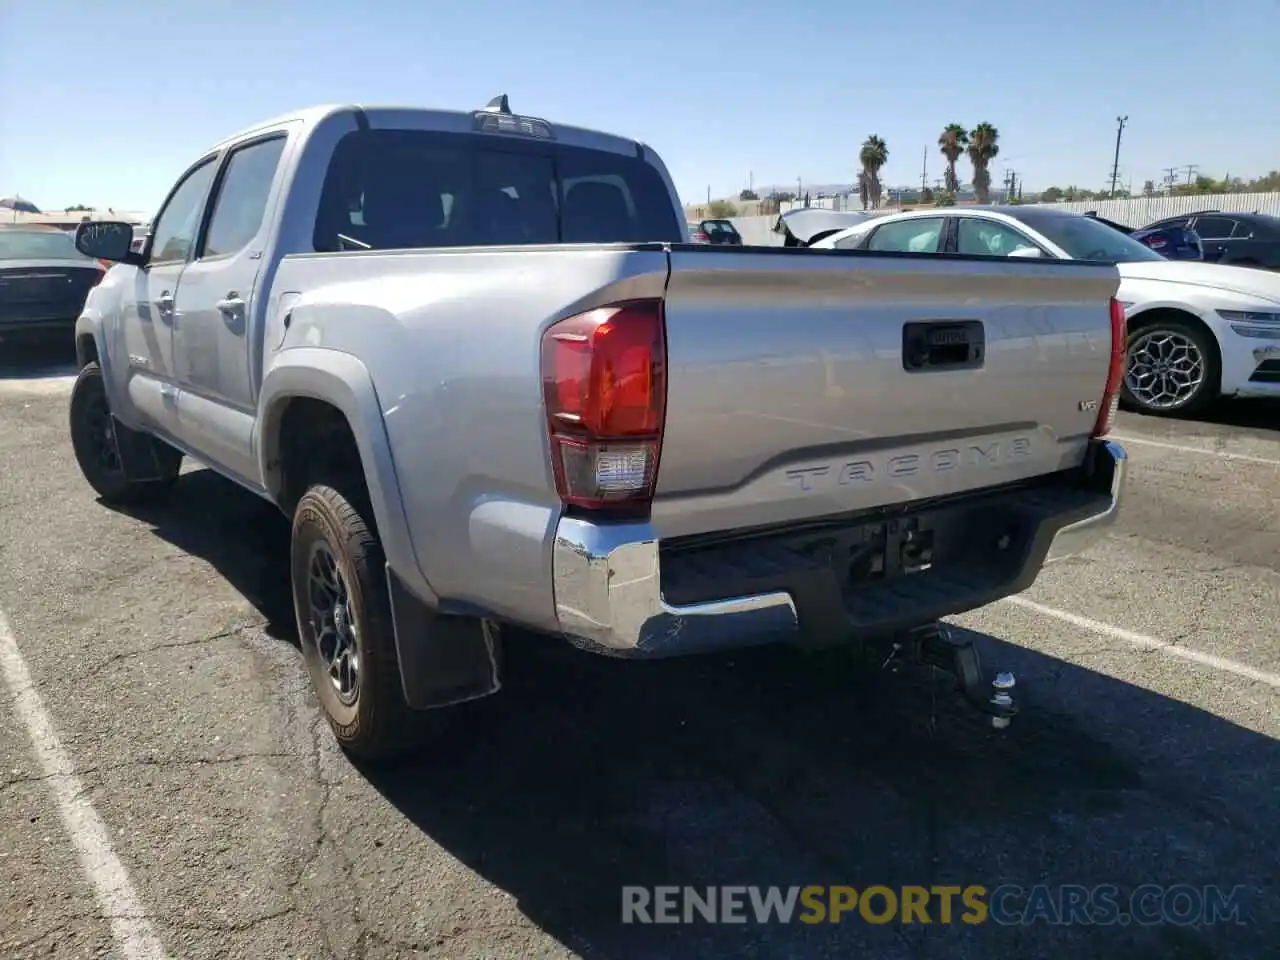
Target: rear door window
{"points": [[389, 189], [1214, 228], [917, 235]]}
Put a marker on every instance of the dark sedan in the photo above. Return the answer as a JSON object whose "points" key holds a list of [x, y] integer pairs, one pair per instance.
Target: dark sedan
{"points": [[1237, 239], [44, 281]]}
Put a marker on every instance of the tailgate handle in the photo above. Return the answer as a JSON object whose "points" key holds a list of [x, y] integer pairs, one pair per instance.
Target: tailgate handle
{"points": [[929, 345]]}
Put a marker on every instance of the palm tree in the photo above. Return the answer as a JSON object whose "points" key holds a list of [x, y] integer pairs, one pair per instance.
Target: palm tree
{"points": [[952, 142], [984, 145], [873, 155]]}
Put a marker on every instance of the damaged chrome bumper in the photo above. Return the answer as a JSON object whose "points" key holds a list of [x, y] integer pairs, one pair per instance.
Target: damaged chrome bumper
{"points": [[609, 599], [1107, 469], [608, 582]]}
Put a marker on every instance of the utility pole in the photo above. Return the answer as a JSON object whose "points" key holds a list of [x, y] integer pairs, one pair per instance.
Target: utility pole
{"points": [[924, 173], [1115, 165], [1170, 178], [1190, 169], [751, 180]]}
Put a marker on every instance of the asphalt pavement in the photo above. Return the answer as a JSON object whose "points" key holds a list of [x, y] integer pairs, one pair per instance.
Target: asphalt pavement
{"points": [[168, 789]]}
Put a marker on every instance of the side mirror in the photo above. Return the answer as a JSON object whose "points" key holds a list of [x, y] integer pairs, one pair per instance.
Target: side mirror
{"points": [[1027, 252], [107, 240]]}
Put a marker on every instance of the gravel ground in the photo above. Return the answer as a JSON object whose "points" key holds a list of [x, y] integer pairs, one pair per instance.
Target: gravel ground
{"points": [[161, 645]]}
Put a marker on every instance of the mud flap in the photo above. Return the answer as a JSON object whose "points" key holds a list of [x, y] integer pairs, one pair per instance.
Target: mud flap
{"points": [[444, 659], [141, 455]]}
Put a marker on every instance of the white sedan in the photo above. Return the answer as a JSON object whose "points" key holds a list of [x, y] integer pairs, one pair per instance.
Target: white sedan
{"points": [[1196, 330]]}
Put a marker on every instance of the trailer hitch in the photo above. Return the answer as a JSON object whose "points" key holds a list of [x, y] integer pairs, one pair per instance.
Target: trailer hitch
{"points": [[935, 645]]}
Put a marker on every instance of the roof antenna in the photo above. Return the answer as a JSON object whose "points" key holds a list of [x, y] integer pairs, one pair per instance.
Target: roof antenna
{"points": [[498, 105]]}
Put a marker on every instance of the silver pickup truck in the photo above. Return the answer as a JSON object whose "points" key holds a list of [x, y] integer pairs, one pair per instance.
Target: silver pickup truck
{"points": [[472, 355]]}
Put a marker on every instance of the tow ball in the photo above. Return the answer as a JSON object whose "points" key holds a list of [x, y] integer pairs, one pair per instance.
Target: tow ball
{"points": [[935, 645]]}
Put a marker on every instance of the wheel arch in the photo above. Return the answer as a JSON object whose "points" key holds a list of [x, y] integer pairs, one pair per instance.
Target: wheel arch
{"points": [[331, 396]]}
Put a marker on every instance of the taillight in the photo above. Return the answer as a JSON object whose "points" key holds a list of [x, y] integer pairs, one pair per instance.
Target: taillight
{"points": [[604, 383], [1115, 372]]}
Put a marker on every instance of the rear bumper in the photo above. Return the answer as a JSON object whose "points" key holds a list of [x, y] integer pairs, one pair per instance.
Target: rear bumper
{"points": [[612, 596]]}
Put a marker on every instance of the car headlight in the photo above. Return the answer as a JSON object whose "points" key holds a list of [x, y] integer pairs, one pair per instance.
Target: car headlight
{"points": [[1253, 323]]}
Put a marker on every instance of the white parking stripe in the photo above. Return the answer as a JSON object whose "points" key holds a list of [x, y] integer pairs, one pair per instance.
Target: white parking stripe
{"points": [[116, 897], [1144, 642], [1200, 450]]}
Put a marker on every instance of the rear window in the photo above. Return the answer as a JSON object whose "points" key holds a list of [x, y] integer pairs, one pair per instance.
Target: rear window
{"points": [[396, 189], [719, 227], [38, 245]]}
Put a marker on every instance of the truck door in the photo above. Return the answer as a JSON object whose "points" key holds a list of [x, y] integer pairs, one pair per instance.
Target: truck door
{"points": [[219, 308], [150, 310]]}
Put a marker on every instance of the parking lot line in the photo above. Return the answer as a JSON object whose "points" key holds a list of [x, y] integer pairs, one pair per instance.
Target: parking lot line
{"points": [[1180, 448], [116, 896], [1144, 642]]}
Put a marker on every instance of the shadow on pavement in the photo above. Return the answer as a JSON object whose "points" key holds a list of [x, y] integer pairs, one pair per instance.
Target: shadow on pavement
{"points": [[242, 536], [769, 767], [36, 361], [1251, 414]]}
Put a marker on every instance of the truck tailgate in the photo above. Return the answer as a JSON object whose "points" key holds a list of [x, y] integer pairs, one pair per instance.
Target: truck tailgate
{"points": [[804, 383]]}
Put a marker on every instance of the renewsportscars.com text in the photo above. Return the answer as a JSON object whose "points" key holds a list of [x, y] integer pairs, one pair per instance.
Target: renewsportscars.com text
{"points": [[1007, 905]]}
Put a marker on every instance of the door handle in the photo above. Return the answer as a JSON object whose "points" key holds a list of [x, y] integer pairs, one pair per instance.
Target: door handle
{"points": [[165, 301], [231, 303], [168, 391]]}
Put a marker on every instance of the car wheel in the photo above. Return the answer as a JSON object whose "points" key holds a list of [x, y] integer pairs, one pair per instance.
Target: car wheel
{"points": [[95, 442], [344, 623], [1171, 369]]}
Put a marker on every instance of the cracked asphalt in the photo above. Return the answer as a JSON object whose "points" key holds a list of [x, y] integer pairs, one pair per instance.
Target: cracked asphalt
{"points": [[161, 644]]}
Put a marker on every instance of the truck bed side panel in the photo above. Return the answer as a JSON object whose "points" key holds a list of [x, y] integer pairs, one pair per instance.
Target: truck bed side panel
{"points": [[788, 398], [452, 342]]}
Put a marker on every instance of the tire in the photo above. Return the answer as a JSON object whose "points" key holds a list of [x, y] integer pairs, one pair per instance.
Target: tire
{"points": [[366, 710], [1169, 340], [93, 439]]}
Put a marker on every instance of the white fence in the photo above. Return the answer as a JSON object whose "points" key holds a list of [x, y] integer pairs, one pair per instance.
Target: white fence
{"points": [[1140, 211]]}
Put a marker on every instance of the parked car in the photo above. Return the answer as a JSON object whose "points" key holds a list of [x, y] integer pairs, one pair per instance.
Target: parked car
{"points": [[592, 428], [721, 233], [1234, 239], [44, 280], [806, 226], [1172, 243], [1197, 331]]}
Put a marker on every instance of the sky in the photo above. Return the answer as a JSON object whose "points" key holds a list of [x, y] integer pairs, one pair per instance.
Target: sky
{"points": [[105, 104]]}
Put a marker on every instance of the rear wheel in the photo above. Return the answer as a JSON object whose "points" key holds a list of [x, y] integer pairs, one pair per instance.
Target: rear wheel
{"points": [[344, 623], [1171, 369], [94, 441]]}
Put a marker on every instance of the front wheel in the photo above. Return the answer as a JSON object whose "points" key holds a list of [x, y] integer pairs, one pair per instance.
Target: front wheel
{"points": [[96, 446], [1171, 369]]}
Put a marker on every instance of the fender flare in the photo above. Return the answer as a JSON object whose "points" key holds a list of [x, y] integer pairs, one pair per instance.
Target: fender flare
{"points": [[342, 380]]}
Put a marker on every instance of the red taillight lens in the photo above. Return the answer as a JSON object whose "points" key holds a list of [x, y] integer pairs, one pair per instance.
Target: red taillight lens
{"points": [[605, 388], [1115, 372]]}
